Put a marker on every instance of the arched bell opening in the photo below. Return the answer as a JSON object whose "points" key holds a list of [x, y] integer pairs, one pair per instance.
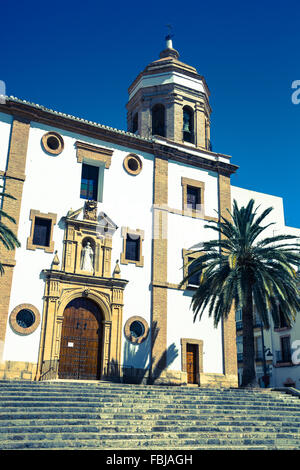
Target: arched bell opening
{"points": [[188, 124], [158, 120]]}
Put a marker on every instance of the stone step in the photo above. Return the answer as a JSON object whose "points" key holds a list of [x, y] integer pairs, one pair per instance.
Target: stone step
{"points": [[231, 435], [90, 441], [102, 386], [136, 408], [180, 392], [103, 415], [103, 394], [142, 420], [29, 396], [139, 409], [100, 427], [167, 424]]}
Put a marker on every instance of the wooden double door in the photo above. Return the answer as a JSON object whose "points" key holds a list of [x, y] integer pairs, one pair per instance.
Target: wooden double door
{"points": [[81, 341]]}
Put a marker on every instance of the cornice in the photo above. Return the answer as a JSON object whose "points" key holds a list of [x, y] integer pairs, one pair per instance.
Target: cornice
{"points": [[170, 66], [75, 278], [36, 113]]}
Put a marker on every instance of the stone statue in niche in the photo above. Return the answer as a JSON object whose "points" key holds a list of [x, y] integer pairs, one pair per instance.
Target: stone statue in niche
{"points": [[87, 258]]}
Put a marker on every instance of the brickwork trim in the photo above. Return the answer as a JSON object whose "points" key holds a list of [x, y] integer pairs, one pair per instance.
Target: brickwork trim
{"points": [[13, 185], [229, 324]]}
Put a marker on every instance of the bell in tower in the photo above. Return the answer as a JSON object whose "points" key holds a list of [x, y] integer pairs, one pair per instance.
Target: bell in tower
{"points": [[170, 100]]}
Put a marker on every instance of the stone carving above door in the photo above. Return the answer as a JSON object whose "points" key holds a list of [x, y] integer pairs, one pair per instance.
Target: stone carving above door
{"points": [[88, 242]]}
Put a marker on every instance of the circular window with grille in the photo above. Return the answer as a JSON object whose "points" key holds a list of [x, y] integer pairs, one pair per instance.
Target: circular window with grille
{"points": [[53, 143], [132, 164], [24, 319], [136, 329]]}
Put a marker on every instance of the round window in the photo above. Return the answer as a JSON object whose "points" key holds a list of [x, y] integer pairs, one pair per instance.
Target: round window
{"points": [[25, 318], [53, 143], [132, 164], [136, 329]]}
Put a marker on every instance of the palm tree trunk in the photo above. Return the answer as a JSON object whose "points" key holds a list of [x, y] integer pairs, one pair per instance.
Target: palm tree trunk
{"points": [[249, 375]]}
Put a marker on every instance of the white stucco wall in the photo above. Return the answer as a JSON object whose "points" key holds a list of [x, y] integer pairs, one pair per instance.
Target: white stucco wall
{"points": [[5, 129], [184, 232], [53, 185], [243, 196]]}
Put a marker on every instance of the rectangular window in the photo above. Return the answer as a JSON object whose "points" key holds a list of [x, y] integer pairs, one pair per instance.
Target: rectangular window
{"points": [[258, 348], [194, 279], [42, 231], [132, 248], [89, 182], [238, 315], [193, 197], [285, 348]]}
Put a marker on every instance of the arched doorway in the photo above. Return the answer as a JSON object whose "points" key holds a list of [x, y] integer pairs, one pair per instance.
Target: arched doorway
{"points": [[81, 341]]}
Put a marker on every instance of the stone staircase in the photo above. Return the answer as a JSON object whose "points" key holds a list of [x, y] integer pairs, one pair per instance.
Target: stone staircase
{"points": [[103, 416]]}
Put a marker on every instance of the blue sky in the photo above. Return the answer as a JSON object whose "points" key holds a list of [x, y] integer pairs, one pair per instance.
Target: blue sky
{"points": [[81, 57]]}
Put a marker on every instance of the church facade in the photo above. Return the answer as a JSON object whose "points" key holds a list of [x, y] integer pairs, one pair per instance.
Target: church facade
{"points": [[106, 220]]}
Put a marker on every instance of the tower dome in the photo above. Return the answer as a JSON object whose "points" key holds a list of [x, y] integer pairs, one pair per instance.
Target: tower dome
{"points": [[171, 100]]}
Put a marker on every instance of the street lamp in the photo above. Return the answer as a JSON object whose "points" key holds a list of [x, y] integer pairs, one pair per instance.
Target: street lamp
{"points": [[266, 376]]}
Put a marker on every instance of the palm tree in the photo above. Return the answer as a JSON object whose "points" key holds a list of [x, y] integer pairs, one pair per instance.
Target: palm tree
{"points": [[7, 237], [243, 269]]}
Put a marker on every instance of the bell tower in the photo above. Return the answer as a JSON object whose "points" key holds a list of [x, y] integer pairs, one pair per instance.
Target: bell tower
{"points": [[171, 100]]}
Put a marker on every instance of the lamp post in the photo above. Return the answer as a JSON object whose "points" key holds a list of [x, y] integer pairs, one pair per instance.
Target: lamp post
{"points": [[266, 376]]}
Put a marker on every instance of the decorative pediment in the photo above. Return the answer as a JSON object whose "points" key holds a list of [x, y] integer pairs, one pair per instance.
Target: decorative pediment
{"points": [[94, 153], [73, 214], [106, 226]]}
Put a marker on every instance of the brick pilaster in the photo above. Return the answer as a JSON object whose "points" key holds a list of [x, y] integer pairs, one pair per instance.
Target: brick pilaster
{"points": [[228, 325], [159, 264], [14, 186]]}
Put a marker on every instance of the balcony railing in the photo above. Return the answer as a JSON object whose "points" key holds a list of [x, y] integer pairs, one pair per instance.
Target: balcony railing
{"points": [[256, 324], [258, 356]]}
